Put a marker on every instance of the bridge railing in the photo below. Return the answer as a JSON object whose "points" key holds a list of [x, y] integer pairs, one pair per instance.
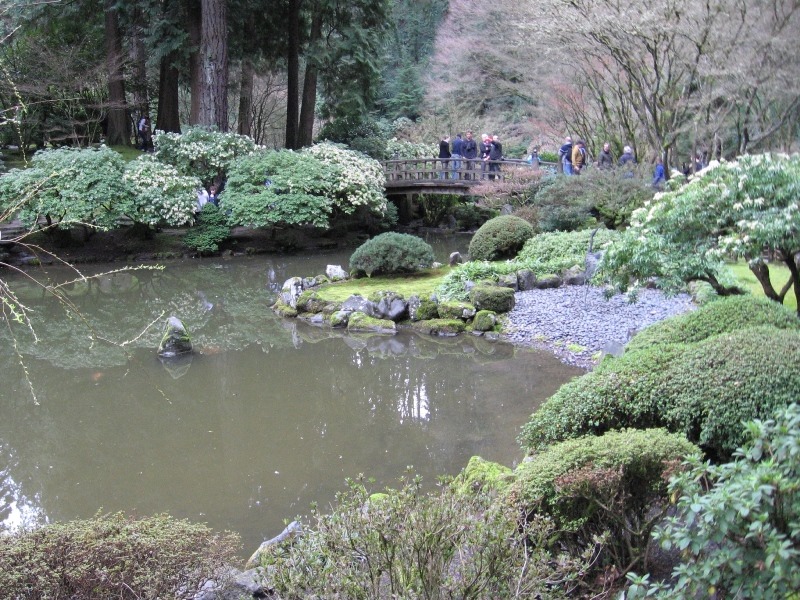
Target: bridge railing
{"points": [[461, 171]]}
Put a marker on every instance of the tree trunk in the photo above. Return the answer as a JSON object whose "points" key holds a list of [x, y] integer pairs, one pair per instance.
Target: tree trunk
{"points": [[194, 27], [117, 132], [246, 98], [293, 74], [168, 118], [214, 59], [305, 135], [141, 100]]}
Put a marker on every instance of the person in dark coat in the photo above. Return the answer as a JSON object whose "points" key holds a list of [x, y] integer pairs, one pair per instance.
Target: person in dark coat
{"points": [[565, 155], [469, 150], [444, 155], [605, 162], [458, 149], [495, 156]]}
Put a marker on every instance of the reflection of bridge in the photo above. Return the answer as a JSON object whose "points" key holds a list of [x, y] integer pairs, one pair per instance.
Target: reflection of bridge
{"points": [[436, 176]]}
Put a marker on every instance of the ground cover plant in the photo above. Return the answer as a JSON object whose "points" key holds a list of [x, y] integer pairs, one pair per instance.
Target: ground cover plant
{"points": [[421, 283], [558, 251]]}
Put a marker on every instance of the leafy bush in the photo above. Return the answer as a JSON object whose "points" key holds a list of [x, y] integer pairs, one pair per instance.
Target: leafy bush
{"points": [[559, 251], [705, 390], [357, 180], [209, 232], [113, 556], [271, 188], [391, 253], [606, 484], [720, 316], [739, 537], [469, 215], [403, 149], [501, 237], [159, 194], [202, 152], [68, 186], [406, 544], [454, 284]]}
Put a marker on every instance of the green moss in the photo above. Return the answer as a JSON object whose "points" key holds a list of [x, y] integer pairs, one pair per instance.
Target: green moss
{"points": [[456, 310], [483, 475], [485, 320], [284, 310], [497, 299], [426, 310], [420, 283], [359, 321], [440, 326]]}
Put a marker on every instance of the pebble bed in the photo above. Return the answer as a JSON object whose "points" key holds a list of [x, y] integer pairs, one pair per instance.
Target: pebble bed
{"points": [[579, 324]]}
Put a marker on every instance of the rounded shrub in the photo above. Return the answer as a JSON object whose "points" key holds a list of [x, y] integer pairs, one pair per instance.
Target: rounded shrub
{"points": [[703, 390], [595, 484], [721, 316], [501, 237], [114, 556], [391, 253], [209, 232]]}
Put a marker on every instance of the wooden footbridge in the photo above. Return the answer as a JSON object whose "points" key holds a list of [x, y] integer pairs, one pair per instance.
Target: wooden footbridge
{"points": [[408, 176]]}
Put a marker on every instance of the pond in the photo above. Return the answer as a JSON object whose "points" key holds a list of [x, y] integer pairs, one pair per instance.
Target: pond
{"points": [[267, 416]]}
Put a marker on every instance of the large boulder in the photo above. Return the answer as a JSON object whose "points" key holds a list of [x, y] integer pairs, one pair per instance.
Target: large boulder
{"points": [[456, 310], [497, 299], [176, 340], [291, 290], [389, 305], [422, 308], [336, 273], [357, 303], [360, 321]]}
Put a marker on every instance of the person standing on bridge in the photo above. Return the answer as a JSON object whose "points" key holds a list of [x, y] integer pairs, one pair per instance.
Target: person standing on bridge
{"points": [[485, 148], [469, 149], [495, 156], [458, 149], [565, 155], [444, 155]]}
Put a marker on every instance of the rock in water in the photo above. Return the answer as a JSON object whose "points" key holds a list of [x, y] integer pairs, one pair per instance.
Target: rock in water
{"points": [[176, 340]]}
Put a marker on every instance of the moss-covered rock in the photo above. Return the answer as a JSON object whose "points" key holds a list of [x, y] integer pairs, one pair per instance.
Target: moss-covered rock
{"points": [[497, 299], [485, 320], [422, 308], [310, 302], [456, 310], [359, 321], [284, 310], [339, 318], [483, 475], [445, 327]]}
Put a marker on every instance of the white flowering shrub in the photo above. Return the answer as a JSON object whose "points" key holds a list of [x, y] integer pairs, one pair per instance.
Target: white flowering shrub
{"points": [[358, 180], [67, 186], [283, 187], [403, 149], [158, 193], [201, 152], [732, 209]]}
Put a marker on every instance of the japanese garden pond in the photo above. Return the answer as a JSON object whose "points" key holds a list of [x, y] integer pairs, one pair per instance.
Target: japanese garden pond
{"points": [[268, 415]]}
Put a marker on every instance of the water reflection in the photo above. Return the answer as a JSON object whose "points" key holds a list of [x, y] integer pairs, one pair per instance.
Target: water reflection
{"points": [[268, 416]]}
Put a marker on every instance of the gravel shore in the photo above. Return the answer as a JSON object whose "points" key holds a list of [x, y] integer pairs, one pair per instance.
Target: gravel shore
{"points": [[578, 323]]}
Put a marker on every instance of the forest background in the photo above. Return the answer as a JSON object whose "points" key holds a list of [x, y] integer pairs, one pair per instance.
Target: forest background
{"points": [[671, 78]]}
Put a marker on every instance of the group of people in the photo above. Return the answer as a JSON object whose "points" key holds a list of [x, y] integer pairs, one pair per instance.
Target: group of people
{"points": [[574, 159], [489, 150], [204, 197]]}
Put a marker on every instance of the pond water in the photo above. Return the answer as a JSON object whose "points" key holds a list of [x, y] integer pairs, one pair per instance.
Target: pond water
{"points": [[267, 416]]}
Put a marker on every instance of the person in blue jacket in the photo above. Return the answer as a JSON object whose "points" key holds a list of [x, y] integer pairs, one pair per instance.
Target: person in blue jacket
{"points": [[659, 176]]}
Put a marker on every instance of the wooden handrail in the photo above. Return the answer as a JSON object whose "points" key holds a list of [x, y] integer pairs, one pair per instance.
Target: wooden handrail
{"points": [[448, 171]]}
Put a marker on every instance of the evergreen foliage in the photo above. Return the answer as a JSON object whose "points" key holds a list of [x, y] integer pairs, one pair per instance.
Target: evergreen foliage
{"points": [[501, 237], [594, 485], [685, 388], [210, 230], [720, 316], [558, 251], [391, 253]]}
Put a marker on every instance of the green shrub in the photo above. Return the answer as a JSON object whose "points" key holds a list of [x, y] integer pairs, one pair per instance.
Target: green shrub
{"points": [[558, 251], [703, 390], [739, 536], [408, 544], [391, 253], [721, 316], [602, 484], [501, 237], [113, 556], [469, 215], [210, 230]]}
